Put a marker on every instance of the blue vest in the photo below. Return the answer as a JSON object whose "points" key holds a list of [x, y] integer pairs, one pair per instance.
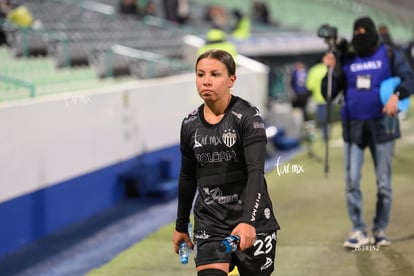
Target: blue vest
{"points": [[364, 77], [299, 81]]}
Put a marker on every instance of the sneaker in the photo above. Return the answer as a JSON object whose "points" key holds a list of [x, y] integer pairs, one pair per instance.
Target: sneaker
{"points": [[380, 239], [357, 239]]}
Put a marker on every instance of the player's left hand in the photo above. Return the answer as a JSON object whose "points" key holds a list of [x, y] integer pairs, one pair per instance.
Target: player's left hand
{"points": [[247, 234]]}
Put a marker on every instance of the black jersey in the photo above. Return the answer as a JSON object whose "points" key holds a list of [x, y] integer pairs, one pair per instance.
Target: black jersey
{"points": [[222, 163]]}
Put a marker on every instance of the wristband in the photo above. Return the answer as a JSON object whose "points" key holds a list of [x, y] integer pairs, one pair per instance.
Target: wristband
{"points": [[397, 93]]}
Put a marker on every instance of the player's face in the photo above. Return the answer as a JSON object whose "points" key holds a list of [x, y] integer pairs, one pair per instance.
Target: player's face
{"points": [[212, 79]]}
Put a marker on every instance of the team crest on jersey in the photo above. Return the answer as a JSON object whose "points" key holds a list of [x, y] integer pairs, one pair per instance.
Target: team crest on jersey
{"points": [[229, 137]]}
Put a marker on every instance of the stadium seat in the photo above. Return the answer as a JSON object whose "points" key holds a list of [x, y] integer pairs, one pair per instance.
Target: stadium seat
{"points": [[149, 180], [26, 43]]}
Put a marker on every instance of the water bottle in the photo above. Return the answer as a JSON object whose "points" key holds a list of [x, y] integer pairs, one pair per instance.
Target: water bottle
{"points": [[230, 244], [184, 252], [390, 124]]}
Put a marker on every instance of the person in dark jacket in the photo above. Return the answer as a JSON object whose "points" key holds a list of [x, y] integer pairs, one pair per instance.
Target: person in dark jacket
{"points": [[367, 121], [301, 94], [3, 37], [128, 7]]}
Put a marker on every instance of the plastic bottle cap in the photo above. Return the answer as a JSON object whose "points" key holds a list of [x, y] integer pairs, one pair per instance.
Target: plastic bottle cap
{"points": [[184, 259]]}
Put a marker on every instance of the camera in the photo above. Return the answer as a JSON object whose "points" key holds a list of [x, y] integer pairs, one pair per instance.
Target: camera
{"points": [[327, 32], [330, 33]]}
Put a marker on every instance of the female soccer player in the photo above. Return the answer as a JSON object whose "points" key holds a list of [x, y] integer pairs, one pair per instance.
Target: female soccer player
{"points": [[223, 153]]}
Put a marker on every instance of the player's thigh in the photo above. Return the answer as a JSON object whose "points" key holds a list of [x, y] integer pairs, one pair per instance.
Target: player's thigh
{"points": [[259, 260], [206, 251]]}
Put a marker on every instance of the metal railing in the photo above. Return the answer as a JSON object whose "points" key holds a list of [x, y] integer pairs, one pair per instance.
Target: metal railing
{"points": [[20, 83], [136, 54]]}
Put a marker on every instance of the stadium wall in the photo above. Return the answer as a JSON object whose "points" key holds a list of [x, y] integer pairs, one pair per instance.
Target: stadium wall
{"points": [[60, 156]]}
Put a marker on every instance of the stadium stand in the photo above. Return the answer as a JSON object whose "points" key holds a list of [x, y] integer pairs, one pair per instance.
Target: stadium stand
{"points": [[24, 78], [81, 35], [77, 38], [308, 15]]}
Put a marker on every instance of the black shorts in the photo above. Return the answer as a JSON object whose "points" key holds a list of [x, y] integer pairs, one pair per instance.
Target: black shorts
{"points": [[258, 260]]}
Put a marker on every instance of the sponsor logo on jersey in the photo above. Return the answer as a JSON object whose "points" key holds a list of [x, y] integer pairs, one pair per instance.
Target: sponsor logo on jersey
{"points": [[268, 263], [201, 235], [256, 207], [266, 213], [257, 113], [258, 125], [216, 156], [238, 115], [191, 117], [216, 195], [229, 137]]}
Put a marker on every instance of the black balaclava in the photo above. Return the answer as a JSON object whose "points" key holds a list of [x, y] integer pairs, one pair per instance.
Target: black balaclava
{"points": [[364, 44]]}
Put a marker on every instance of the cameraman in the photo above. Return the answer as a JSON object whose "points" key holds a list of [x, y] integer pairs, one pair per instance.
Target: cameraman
{"points": [[360, 69]]}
